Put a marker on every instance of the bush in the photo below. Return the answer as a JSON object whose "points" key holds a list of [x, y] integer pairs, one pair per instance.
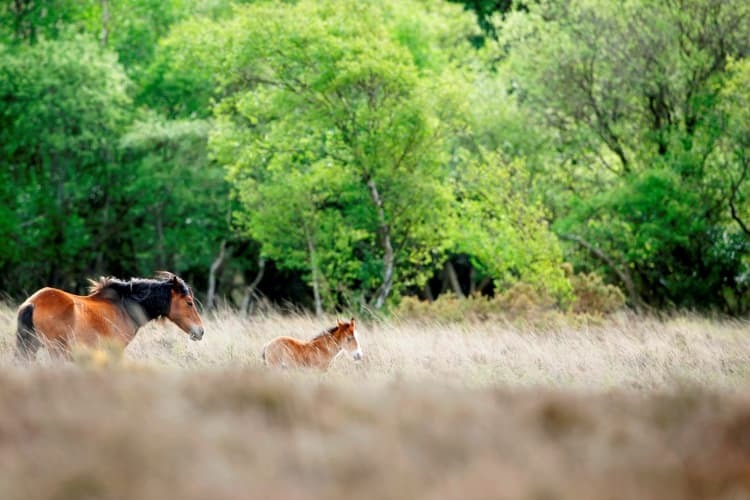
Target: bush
{"points": [[519, 302], [593, 300], [595, 297], [447, 307]]}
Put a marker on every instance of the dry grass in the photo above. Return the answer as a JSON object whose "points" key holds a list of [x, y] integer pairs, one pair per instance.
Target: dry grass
{"points": [[636, 408]]}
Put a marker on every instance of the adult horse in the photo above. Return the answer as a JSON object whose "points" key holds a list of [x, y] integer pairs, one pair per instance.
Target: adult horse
{"points": [[113, 311], [315, 353]]}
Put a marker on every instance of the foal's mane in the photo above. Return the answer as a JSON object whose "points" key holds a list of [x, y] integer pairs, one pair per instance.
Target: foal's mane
{"points": [[327, 331]]}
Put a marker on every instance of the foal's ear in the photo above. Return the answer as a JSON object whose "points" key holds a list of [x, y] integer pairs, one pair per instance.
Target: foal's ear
{"points": [[351, 322], [339, 323]]}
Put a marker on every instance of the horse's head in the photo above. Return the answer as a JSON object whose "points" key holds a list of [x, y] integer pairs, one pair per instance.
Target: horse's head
{"points": [[347, 335], [182, 310]]}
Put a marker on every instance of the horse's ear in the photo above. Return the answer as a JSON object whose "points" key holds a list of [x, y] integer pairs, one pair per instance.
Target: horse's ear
{"points": [[339, 323], [176, 285], [351, 322]]}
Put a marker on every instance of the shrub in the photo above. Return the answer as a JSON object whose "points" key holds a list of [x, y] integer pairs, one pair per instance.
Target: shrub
{"points": [[595, 297], [522, 302]]}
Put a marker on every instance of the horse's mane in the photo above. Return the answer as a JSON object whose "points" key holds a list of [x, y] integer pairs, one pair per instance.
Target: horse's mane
{"points": [[125, 288], [152, 295]]}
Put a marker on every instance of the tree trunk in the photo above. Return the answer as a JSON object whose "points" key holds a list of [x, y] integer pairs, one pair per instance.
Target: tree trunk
{"points": [[105, 22], [622, 271], [476, 287], [735, 188], [487, 280], [314, 272], [384, 235], [452, 278], [250, 289], [216, 268]]}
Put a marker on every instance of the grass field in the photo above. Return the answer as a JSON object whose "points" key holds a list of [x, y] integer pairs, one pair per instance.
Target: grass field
{"points": [[633, 408]]}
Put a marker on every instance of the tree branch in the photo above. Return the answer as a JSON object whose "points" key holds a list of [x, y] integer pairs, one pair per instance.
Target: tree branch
{"points": [[250, 289], [621, 271], [733, 195]]}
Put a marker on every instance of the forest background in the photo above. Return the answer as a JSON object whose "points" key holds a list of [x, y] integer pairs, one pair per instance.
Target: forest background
{"points": [[360, 155]]}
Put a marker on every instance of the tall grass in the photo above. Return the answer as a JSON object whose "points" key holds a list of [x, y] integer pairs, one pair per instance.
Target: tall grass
{"points": [[626, 352], [633, 408]]}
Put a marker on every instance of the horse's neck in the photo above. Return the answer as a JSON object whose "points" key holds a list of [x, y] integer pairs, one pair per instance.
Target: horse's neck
{"points": [[144, 299], [155, 303], [137, 313]]}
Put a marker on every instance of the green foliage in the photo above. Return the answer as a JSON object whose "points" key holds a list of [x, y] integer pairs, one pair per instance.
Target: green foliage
{"points": [[367, 142], [85, 189], [27, 21], [174, 85], [505, 231], [642, 164], [486, 11], [338, 136], [338, 117], [184, 199], [64, 104]]}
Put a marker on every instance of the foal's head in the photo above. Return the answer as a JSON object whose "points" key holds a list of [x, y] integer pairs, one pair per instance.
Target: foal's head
{"points": [[182, 310], [346, 333]]}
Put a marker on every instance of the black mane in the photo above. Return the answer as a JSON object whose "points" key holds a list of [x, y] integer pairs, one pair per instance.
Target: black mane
{"points": [[152, 296]]}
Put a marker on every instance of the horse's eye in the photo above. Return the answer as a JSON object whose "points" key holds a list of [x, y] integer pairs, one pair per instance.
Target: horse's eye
{"points": [[190, 304]]}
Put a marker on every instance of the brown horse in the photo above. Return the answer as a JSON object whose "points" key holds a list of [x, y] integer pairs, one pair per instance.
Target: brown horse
{"points": [[317, 352], [113, 311]]}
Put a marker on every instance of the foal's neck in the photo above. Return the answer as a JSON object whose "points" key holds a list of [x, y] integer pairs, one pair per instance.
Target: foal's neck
{"points": [[328, 343]]}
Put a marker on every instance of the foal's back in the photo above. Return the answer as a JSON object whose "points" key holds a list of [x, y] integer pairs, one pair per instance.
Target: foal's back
{"points": [[286, 351]]}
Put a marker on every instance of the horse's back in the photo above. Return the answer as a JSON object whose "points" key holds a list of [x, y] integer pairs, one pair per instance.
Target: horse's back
{"points": [[52, 299], [63, 317], [53, 312]]}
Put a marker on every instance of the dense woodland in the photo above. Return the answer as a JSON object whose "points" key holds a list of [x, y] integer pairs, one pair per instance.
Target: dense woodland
{"points": [[347, 154]]}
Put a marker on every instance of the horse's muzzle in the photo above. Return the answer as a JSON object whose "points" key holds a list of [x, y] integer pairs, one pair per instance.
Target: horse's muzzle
{"points": [[357, 356], [196, 333]]}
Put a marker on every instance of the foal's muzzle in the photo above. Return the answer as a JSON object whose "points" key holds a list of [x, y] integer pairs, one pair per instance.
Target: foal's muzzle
{"points": [[357, 356], [196, 333]]}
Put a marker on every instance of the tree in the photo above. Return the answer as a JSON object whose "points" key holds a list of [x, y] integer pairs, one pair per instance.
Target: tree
{"points": [[63, 105], [486, 11], [505, 231], [183, 199], [343, 115], [27, 21], [631, 92]]}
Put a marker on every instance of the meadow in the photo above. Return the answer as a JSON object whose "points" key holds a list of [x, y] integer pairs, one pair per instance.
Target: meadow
{"points": [[630, 407]]}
